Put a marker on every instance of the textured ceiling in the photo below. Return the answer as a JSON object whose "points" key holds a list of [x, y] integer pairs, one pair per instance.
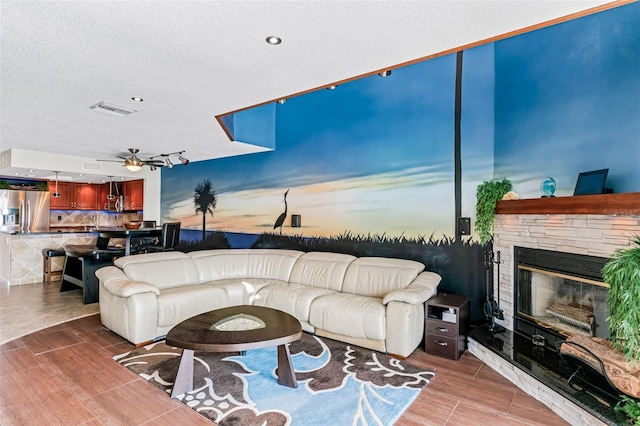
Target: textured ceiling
{"points": [[193, 60]]}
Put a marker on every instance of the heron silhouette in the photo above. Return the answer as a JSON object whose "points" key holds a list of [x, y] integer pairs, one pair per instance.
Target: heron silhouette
{"points": [[283, 216]]}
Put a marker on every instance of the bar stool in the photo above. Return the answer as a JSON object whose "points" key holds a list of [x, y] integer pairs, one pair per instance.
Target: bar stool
{"points": [[47, 273]]}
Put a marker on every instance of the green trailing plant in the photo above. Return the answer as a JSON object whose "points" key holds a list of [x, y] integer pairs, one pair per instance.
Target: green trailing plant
{"points": [[4, 184], [631, 408], [487, 194], [622, 273], [42, 186]]}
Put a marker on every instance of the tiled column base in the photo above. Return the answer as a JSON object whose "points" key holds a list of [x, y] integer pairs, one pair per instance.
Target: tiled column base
{"points": [[564, 408]]}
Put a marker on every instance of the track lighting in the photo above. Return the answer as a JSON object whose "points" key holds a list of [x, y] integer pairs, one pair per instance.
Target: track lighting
{"points": [[183, 160], [386, 73], [169, 163]]}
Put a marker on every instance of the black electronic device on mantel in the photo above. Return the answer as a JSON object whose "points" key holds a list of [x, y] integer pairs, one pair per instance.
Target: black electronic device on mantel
{"points": [[591, 183]]}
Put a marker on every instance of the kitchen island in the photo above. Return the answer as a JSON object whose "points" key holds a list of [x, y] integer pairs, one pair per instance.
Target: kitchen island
{"points": [[21, 254]]}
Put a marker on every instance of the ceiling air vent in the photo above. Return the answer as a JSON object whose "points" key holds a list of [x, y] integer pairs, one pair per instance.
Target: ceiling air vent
{"points": [[112, 109]]}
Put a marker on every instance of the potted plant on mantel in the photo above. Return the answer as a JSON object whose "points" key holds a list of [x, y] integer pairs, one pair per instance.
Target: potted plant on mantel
{"points": [[618, 358], [488, 193]]}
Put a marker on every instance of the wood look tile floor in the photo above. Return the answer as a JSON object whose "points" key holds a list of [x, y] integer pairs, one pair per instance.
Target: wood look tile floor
{"points": [[64, 375]]}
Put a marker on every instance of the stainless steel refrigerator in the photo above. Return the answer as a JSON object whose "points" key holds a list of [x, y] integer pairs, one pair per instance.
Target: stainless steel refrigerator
{"points": [[24, 211]]}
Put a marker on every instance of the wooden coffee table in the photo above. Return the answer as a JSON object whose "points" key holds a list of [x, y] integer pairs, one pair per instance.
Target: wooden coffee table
{"points": [[229, 330]]}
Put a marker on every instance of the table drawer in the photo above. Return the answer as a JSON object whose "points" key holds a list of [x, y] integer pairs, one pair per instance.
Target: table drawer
{"points": [[442, 328], [442, 346]]}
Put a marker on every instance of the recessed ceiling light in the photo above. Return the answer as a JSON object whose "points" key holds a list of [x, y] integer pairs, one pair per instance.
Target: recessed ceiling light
{"points": [[332, 87], [386, 73], [273, 40], [137, 99], [282, 101], [30, 170]]}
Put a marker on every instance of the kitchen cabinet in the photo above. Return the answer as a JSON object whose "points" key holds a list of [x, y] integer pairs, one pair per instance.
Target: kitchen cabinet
{"points": [[64, 201], [133, 191], [103, 201], [74, 196]]}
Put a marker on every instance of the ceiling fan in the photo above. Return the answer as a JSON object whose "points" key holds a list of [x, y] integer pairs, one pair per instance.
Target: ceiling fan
{"points": [[135, 163]]}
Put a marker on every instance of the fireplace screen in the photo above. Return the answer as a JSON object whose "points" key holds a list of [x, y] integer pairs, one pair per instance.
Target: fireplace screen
{"points": [[554, 296]]}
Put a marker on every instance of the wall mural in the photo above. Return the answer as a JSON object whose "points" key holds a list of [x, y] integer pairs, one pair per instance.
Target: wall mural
{"points": [[370, 166]]}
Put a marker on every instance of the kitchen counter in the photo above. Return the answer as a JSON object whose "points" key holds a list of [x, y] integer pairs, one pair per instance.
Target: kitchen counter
{"points": [[53, 231], [21, 254]]}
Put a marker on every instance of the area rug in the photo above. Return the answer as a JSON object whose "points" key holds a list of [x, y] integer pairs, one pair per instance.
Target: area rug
{"points": [[338, 384]]}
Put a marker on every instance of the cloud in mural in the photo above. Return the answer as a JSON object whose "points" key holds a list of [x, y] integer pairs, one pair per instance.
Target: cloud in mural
{"points": [[359, 205]]}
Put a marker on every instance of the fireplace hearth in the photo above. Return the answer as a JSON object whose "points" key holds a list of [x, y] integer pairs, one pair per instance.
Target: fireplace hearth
{"points": [[516, 357]]}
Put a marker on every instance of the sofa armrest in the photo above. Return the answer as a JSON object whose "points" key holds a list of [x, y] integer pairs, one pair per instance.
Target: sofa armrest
{"points": [[116, 282], [420, 290]]}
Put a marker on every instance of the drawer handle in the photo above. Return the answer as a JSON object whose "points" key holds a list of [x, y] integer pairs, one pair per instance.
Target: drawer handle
{"points": [[442, 329], [438, 342]]}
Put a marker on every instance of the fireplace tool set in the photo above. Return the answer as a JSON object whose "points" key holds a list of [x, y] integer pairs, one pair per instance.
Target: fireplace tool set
{"points": [[491, 307]]}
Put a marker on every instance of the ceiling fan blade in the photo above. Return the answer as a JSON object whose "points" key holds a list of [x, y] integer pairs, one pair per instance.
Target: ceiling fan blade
{"points": [[111, 161]]}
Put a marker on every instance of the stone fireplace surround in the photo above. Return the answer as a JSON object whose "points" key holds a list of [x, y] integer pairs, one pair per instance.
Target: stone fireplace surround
{"points": [[595, 225]]}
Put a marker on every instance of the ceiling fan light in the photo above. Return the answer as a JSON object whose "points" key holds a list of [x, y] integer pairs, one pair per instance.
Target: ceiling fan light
{"points": [[133, 167]]}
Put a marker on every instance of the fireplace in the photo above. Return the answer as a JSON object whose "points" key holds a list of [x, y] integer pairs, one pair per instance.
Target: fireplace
{"points": [[594, 226], [559, 294]]}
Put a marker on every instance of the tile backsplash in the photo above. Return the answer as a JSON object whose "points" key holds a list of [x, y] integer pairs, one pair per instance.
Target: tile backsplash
{"points": [[90, 218]]}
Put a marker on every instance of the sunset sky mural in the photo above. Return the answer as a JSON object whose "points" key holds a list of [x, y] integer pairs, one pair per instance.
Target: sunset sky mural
{"points": [[376, 155]]}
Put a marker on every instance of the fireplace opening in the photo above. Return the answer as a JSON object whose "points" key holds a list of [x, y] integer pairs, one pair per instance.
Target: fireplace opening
{"points": [[558, 295]]}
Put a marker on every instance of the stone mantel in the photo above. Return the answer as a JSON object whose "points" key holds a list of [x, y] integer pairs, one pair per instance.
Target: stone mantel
{"points": [[603, 204]]}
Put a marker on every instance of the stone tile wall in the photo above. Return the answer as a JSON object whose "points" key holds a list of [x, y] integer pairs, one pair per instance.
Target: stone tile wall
{"points": [[594, 235]]}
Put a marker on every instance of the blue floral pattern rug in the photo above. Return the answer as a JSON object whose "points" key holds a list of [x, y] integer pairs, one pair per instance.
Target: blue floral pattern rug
{"points": [[338, 384]]}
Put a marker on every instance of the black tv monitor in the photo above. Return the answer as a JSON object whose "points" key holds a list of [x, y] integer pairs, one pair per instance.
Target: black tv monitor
{"points": [[590, 183]]}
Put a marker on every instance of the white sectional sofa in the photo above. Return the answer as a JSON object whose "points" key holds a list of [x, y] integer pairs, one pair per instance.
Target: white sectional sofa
{"points": [[373, 302]]}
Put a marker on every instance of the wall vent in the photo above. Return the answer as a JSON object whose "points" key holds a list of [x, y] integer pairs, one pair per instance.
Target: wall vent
{"points": [[112, 109], [96, 167]]}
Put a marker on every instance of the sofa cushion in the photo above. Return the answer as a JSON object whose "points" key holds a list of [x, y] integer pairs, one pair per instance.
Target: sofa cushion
{"points": [[163, 270], [178, 304], [349, 315], [242, 291], [294, 299], [321, 270], [244, 263], [377, 276]]}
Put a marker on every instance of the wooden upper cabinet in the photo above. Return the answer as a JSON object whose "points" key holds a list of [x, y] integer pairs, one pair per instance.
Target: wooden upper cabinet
{"points": [[86, 196], [65, 200], [133, 191], [103, 201], [74, 196]]}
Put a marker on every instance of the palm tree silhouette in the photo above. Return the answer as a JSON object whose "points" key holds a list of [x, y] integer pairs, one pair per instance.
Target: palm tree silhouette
{"points": [[283, 216], [204, 200]]}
